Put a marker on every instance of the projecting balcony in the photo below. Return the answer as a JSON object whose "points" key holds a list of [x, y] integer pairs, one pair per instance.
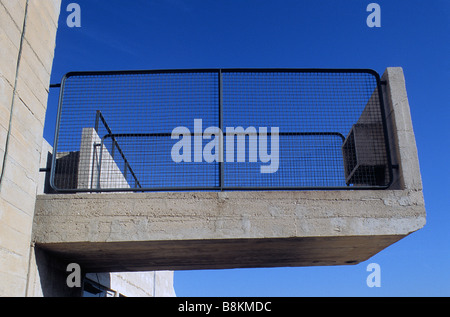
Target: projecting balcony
{"points": [[203, 169]]}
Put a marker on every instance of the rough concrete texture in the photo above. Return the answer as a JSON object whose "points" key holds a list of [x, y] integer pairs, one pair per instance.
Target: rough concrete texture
{"points": [[204, 230], [27, 42], [400, 131], [136, 284], [154, 231]]}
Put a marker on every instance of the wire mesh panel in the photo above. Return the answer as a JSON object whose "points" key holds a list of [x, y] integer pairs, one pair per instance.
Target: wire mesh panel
{"points": [[142, 107], [314, 112], [220, 129]]}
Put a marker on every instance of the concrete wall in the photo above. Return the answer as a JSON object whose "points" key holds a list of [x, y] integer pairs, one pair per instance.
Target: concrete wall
{"points": [[137, 284], [95, 160], [27, 42]]}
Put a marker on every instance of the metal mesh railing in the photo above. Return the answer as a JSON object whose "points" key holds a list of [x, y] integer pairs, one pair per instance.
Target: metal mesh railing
{"points": [[220, 129]]}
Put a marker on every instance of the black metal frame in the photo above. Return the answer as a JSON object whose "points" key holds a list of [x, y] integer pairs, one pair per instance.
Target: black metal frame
{"points": [[221, 187]]}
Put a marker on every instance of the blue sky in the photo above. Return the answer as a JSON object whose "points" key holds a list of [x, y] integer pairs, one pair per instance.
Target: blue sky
{"points": [[414, 34]]}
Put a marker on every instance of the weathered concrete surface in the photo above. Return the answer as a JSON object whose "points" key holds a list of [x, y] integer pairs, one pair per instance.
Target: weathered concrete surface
{"points": [[400, 131], [136, 284], [27, 43], [168, 231]]}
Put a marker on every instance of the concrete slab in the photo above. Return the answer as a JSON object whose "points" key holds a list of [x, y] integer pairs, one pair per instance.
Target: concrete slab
{"points": [[208, 230]]}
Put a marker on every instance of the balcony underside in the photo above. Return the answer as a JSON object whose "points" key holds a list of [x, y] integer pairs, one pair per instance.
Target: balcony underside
{"points": [[220, 253]]}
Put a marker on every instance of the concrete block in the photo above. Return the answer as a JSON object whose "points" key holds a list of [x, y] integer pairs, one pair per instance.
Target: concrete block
{"points": [[16, 196], [8, 63], [42, 69], [36, 41], [24, 151], [49, 9], [12, 285], [11, 19], [15, 218], [31, 102], [13, 260], [133, 284], [38, 9], [164, 284], [40, 33], [3, 135], [16, 173], [16, 10], [26, 122], [136, 284], [27, 78], [5, 104], [18, 243]]}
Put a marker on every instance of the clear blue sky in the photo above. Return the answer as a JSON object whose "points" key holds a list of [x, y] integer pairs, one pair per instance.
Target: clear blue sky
{"points": [[414, 34]]}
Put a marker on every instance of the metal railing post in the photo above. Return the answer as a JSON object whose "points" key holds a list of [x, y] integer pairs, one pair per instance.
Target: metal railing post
{"points": [[221, 148]]}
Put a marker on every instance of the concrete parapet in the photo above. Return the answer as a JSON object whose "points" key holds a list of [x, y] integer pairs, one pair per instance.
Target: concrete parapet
{"points": [[400, 131]]}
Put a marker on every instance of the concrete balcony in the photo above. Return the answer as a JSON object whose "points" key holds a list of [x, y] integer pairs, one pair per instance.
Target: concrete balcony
{"points": [[122, 232]]}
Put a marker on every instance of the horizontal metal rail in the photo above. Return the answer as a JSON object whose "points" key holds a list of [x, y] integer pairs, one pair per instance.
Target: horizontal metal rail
{"points": [[114, 135]]}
